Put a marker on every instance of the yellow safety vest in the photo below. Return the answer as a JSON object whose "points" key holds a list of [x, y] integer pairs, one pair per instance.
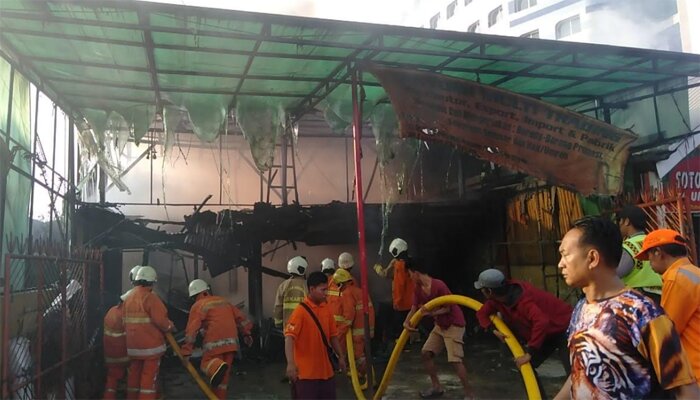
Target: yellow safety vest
{"points": [[641, 276]]}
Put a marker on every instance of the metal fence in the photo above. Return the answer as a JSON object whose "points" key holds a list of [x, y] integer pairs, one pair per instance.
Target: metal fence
{"points": [[672, 212], [51, 316]]}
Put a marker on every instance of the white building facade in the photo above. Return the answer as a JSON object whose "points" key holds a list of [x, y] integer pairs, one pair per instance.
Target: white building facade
{"points": [[635, 23]]}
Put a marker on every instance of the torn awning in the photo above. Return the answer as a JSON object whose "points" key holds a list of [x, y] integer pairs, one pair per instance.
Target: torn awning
{"points": [[524, 134]]}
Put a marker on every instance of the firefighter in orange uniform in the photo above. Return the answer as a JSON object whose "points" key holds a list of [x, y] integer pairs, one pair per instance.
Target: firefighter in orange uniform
{"points": [[402, 286], [221, 322], [351, 317], [328, 268], [114, 346], [345, 262], [146, 321]]}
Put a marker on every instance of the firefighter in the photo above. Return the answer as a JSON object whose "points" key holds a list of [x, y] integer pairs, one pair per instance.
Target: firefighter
{"points": [[291, 292], [402, 287], [221, 322], [351, 317], [345, 262], [328, 268], [114, 347], [146, 321]]}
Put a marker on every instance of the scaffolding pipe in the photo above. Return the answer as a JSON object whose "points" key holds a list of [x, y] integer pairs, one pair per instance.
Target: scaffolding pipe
{"points": [[357, 140]]}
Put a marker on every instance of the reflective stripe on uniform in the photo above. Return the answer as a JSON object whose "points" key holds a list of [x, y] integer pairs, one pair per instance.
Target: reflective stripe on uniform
{"points": [[148, 391], [111, 333], [110, 390], [116, 360], [222, 386], [146, 352], [339, 318], [333, 292], [278, 321], [219, 343], [359, 306], [214, 303], [209, 364], [361, 331], [137, 320]]}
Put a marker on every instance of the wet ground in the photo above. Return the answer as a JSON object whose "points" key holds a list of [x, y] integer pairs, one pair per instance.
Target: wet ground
{"points": [[491, 373]]}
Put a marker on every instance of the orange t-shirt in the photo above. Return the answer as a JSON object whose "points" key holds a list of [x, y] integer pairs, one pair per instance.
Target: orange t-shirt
{"points": [[402, 287], [680, 298], [310, 353]]}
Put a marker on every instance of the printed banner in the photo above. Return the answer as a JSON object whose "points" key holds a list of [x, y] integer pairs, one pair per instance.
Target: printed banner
{"points": [[685, 178], [518, 132]]}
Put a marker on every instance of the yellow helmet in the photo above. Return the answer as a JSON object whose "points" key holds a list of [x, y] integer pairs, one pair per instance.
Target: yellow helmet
{"points": [[341, 276]]}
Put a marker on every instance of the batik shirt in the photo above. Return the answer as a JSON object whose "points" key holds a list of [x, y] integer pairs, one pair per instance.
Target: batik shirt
{"points": [[624, 347]]}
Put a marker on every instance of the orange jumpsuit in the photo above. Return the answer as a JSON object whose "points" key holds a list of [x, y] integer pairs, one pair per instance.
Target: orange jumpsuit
{"points": [[146, 319], [351, 316], [114, 345], [402, 287], [220, 321], [333, 300]]}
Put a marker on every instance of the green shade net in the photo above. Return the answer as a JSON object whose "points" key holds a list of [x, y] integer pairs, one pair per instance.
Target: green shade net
{"points": [[18, 187], [262, 122], [140, 118]]}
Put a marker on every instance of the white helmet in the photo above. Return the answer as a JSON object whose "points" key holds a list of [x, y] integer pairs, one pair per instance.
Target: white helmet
{"points": [[147, 274], [297, 265], [345, 261], [133, 272], [327, 265], [397, 247], [198, 286]]}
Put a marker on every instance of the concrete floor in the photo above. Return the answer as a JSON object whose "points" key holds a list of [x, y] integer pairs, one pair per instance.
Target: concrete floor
{"points": [[490, 369]]}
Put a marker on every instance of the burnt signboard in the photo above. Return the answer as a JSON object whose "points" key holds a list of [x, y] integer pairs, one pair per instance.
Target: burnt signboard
{"points": [[685, 178], [519, 132]]}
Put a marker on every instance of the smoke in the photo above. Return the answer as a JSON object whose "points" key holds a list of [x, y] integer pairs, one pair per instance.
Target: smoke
{"points": [[639, 23]]}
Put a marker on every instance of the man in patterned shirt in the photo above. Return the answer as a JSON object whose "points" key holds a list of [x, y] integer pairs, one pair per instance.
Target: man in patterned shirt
{"points": [[621, 344]]}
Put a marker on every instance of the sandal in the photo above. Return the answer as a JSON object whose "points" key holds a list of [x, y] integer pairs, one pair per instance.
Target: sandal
{"points": [[431, 393]]}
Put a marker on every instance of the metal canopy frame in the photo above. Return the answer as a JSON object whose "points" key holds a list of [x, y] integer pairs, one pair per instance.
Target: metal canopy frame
{"points": [[642, 68]]}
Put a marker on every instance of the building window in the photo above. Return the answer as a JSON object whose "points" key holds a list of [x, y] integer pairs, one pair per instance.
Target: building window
{"points": [[495, 16], [532, 34], [520, 5], [568, 27], [434, 21], [473, 27], [467, 2], [451, 9]]}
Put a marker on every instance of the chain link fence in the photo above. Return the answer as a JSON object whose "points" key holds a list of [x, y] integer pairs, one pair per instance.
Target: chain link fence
{"points": [[51, 319]]}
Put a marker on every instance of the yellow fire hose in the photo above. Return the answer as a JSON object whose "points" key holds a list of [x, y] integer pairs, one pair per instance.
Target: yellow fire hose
{"points": [[353, 368], [193, 372], [528, 374]]}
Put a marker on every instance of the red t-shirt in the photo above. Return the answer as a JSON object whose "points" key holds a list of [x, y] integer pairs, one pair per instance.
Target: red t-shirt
{"points": [[437, 289]]}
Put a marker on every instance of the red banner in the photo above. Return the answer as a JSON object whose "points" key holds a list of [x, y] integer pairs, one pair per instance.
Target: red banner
{"points": [[519, 132], [685, 177]]}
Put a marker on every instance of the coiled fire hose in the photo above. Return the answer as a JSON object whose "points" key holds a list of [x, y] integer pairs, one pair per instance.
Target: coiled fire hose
{"points": [[188, 366]]}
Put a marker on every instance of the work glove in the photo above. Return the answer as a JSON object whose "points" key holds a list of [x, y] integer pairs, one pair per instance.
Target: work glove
{"points": [[379, 270]]}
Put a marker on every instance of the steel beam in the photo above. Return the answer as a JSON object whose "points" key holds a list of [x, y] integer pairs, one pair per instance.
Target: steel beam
{"points": [[265, 31], [150, 56]]}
